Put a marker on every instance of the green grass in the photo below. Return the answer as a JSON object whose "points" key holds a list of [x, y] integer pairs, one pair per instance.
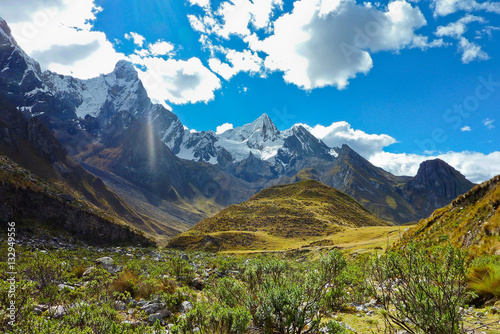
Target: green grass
{"points": [[279, 218]]}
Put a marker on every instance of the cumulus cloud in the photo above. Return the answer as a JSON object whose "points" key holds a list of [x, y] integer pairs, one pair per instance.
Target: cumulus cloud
{"points": [[160, 48], [223, 128], [136, 38], [59, 32], [47, 31], [14, 11], [201, 3], [465, 128], [339, 133], [476, 167], [488, 123], [234, 17], [446, 7], [327, 43], [458, 28], [65, 54], [177, 81], [245, 61], [471, 51]]}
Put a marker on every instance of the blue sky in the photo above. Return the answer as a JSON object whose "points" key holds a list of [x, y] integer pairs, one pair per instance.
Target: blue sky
{"points": [[398, 88]]}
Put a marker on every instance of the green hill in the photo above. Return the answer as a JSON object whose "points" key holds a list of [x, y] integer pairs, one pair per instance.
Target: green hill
{"points": [[279, 217], [471, 221]]}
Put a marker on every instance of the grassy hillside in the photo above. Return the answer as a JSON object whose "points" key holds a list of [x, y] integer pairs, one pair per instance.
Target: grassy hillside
{"points": [[471, 221], [280, 217]]}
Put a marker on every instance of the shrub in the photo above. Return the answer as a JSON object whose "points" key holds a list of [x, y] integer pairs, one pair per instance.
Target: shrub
{"points": [[216, 318], [23, 301], [125, 282], [43, 269], [484, 281], [421, 291], [285, 300]]}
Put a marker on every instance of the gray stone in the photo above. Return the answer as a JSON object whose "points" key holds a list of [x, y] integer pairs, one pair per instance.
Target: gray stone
{"points": [[65, 286], [119, 306], [132, 323], [57, 311], [186, 306], [104, 261], [152, 308], [88, 271], [153, 317], [184, 257]]}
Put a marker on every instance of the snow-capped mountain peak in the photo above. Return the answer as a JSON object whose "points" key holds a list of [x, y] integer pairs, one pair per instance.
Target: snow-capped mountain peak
{"points": [[262, 127]]}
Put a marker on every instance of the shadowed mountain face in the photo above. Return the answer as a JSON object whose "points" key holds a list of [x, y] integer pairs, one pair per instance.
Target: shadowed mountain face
{"points": [[172, 177], [471, 221], [30, 145], [435, 185]]}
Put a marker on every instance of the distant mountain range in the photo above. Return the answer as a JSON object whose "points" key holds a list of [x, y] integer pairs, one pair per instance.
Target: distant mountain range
{"points": [[162, 171]]}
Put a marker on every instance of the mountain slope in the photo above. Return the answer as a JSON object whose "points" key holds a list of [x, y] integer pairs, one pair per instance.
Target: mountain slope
{"points": [[31, 145], [131, 150], [34, 204], [435, 185], [282, 214], [471, 221]]}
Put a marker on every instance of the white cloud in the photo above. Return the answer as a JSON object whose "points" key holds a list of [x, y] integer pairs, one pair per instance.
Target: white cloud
{"points": [[465, 128], [59, 33], [235, 17], [318, 45], [177, 81], [161, 48], [201, 3], [476, 167], [138, 39], [458, 28], [446, 7], [488, 123], [223, 128], [245, 61], [339, 133], [471, 51]]}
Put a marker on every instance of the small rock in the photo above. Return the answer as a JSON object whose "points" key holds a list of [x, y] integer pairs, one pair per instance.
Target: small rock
{"points": [[88, 271], [132, 323], [184, 257], [152, 308], [495, 310], [186, 306], [153, 317], [119, 306], [65, 286], [57, 311], [104, 261]]}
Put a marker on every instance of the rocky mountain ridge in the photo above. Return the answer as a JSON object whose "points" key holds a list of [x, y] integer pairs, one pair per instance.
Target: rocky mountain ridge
{"points": [[110, 125]]}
